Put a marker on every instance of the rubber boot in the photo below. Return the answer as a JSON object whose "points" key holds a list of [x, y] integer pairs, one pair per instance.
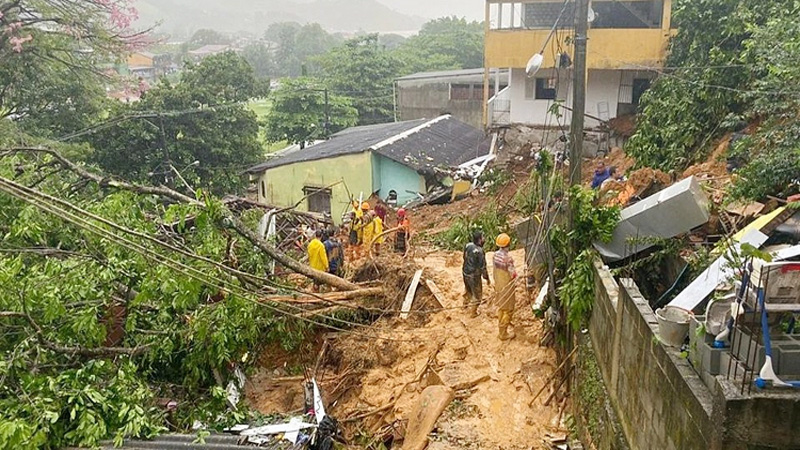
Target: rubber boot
{"points": [[505, 321], [472, 310]]}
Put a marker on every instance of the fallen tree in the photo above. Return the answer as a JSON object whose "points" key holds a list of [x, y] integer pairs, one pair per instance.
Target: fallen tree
{"points": [[105, 312]]}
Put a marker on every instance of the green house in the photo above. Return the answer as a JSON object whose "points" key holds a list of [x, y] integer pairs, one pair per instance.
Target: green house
{"points": [[399, 157]]}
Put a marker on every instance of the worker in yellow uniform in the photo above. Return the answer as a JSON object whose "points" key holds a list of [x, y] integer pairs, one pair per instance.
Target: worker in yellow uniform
{"points": [[377, 228], [317, 256], [367, 226], [358, 218], [505, 276]]}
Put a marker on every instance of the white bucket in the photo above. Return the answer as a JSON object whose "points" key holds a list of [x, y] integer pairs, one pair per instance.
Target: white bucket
{"points": [[673, 325]]}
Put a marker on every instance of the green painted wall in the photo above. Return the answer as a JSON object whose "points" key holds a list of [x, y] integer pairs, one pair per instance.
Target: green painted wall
{"points": [[283, 186], [388, 175]]}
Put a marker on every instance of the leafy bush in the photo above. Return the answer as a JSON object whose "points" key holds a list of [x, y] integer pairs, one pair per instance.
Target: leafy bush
{"points": [[490, 220]]}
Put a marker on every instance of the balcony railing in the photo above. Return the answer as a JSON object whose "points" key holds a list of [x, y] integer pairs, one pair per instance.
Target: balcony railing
{"points": [[543, 14], [500, 109]]}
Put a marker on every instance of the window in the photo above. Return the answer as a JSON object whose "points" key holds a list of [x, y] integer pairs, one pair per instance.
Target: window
{"points": [[470, 91], [460, 91], [540, 89], [640, 85], [319, 200]]}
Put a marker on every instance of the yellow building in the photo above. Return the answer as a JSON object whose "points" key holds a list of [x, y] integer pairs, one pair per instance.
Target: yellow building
{"points": [[627, 45]]}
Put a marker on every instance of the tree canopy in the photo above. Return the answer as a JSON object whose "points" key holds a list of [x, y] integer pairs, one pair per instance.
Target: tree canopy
{"points": [[199, 126], [299, 112], [732, 62]]}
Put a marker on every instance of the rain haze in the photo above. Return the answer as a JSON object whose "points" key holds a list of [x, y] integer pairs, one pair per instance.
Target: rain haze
{"points": [[183, 17]]}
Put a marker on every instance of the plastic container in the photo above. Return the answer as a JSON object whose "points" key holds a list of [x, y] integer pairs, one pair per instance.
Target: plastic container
{"points": [[673, 325]]}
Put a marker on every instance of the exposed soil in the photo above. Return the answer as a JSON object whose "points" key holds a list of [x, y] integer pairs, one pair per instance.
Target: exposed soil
{"points": [[382, 366]]}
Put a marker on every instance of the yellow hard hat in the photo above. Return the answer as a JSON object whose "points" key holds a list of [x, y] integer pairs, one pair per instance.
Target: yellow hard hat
{"points": [[503, 240], [365, 206]]}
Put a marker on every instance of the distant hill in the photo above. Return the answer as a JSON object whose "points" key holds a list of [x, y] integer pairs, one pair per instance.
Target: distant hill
{"points": [[185, 16]]}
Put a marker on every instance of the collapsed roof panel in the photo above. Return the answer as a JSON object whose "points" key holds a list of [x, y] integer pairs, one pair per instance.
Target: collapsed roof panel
{"points": [[666, 214]]}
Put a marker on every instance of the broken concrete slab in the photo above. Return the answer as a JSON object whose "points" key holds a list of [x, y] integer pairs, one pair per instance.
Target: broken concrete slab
{"points": [[430, 405], [673, 211], [717, 272]]}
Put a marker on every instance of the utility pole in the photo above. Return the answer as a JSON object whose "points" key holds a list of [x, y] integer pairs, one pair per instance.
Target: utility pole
{"points": [[327, 115], [579, 91]]}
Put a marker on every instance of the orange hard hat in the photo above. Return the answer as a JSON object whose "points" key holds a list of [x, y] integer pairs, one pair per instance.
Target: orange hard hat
{"points": [[401, 212], [503, 240], [365, 206]]}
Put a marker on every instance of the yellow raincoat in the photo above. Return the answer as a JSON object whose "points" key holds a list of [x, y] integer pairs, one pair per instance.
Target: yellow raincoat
{"points": [[317, 257], [378, 230], [367, 230]]}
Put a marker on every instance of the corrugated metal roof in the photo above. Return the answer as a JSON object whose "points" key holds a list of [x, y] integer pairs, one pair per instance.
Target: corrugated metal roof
{"points": [[444, 141], [346, 142], [184, 442], [451, 75]]}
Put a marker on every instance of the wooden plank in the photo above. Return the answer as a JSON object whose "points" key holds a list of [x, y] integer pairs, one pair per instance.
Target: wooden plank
{"points": [[437, 293], [412, 290]]}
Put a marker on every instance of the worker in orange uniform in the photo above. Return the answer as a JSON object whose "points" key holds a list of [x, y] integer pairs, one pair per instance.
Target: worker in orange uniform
{"points": [[505, 276], [317, 256], [403, 233]]}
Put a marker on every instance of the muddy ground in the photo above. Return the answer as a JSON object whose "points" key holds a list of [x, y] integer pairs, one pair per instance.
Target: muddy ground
{"points": [[375, 374]]}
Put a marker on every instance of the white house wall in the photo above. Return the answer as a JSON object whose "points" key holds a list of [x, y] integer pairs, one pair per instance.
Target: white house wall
{"points": [[531, 111], [602, 87]]}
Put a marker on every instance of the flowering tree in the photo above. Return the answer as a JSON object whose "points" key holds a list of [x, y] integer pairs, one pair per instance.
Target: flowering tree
{"points": [[52, 51]]}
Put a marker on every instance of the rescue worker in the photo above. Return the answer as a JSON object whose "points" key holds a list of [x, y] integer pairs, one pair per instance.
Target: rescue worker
{"points": [[505, 277], [474, 267], [317, 257], [358, 216], [367, 227], [404, 233], [377, 225], [335, 253]]}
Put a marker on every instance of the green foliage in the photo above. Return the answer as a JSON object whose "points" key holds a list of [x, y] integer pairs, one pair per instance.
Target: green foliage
{"points": [[734, 61], [364, 71], [49, 76], [205, 36], [573, 253], [297, 46], [490, 220], [299, 113], [444, 43], [51, 394], [223, 138], [494, 180]]}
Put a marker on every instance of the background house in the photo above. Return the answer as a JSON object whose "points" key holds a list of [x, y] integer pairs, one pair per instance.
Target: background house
{"points": [[398, 157], [627, 46], [455, 92]]}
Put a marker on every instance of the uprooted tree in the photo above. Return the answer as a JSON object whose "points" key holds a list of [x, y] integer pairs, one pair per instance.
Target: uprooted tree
{"points": [[116, 297]]}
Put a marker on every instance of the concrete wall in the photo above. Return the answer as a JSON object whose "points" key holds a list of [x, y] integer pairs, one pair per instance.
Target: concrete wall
{"points": [[661, 402], [283, 186], [390, 175], [416, 100]]}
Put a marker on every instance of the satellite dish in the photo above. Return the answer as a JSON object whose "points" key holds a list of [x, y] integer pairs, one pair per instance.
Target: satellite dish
{"points": [[534, 64], [592, 15]]}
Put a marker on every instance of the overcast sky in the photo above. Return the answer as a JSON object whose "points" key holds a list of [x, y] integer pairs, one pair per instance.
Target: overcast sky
{"points": [[471, 9]]}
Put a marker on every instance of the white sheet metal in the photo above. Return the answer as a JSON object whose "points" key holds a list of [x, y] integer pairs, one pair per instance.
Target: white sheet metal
{"points": [[673, 211], [717, 272]]}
